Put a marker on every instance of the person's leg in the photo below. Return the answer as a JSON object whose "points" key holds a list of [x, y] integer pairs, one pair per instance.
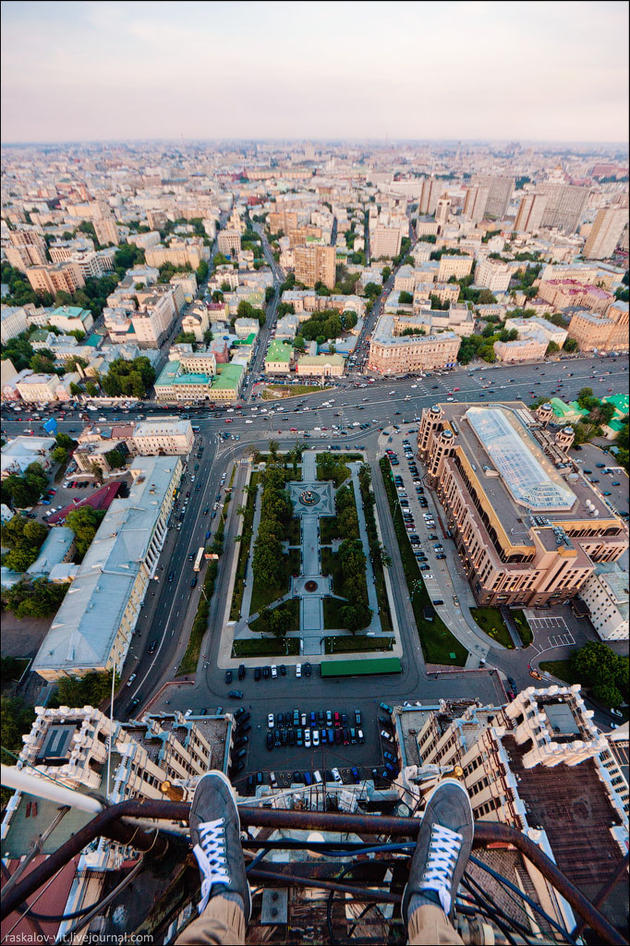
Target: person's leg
{"points": [[444, 843], [225, 905]]}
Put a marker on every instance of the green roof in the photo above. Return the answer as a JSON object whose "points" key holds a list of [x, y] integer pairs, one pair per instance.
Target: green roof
{"points": [[279, 351], [94, 340], [621, 402], [39, 335], [230, 377], [351, 668], [322, 359]]}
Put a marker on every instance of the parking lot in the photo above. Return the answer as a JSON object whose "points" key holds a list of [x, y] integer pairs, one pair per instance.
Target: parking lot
{"points": [[300, 744]]}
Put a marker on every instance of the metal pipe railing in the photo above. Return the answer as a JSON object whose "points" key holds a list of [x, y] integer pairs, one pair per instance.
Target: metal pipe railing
{"points": [[111, 823]]}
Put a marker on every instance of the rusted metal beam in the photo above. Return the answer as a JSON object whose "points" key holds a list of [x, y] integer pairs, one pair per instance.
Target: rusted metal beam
{"points": [[110, 823]]}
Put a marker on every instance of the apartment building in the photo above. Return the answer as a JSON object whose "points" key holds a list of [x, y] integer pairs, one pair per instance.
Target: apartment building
{"points": [[565, 206], [605, 233], [393, 353], [537, 326], [475, 202], [197, 322], [442, 212], [71, 318], [320, 366], [532, 347], [595, 332], [12, 322], [530, 212], [106, 230], [189, 252], [89, 456], [37, 388], [20, 452], [528, 528], [564, 293], [444, 292], [282, 220], [229, 242], [315, 264], [457, 266], [430, 190], [153, 319], [605, 594], [384, 241], [93, 627], [493, 274], [56, 277], [499, 189], [166, 436], [25, 255], [278, 357]]}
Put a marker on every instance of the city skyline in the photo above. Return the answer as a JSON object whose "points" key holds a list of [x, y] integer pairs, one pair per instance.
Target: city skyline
{"points": [[243, 71]]}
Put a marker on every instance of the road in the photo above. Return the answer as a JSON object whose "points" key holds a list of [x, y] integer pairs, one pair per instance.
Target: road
{"points": [[169, 610]]}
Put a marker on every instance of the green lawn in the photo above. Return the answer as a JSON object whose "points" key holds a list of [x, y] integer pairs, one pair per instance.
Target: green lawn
{"points": [[560, 669], [244, 548], [438, 644], [332, 606], [492, 624], [293, 606], [329, 529], [279, 391], [358, 642], [264, 594], [523, 628], [377, 566], [267, 647]]}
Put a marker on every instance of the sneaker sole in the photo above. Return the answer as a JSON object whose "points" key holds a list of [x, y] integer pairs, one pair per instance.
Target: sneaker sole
{"points": [[226, 781]]}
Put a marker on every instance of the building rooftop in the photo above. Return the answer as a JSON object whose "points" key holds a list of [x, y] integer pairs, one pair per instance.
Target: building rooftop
{"points": [[53, 551], [515, 516], [279, 351], [83, 630], [229, 377]]}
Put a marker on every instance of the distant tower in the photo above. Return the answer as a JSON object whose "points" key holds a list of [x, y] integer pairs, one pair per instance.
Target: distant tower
{"points": [[544, 413], [442, 211], [564, 439]]}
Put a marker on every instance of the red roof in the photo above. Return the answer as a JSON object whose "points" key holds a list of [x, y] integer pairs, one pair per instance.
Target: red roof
{"points": [[100, 499], [51, 902]]}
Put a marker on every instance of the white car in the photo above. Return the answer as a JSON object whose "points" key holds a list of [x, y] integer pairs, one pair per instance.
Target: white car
{"points": [[316, 737], [307, 738], [336, 774], [298, 670], [270, 721], [387, 736], [274, 671], [249, 421]]}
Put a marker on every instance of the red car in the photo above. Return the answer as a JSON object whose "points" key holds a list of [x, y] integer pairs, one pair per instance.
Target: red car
{"points": [[228, 420], [293, 430]]}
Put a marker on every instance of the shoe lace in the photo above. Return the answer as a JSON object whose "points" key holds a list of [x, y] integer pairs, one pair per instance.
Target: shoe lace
{"points": [[211, 857], [444, 848]]}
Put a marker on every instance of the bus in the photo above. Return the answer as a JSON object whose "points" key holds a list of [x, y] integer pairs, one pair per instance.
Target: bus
{"points": [[198, 560], [195, 428]]}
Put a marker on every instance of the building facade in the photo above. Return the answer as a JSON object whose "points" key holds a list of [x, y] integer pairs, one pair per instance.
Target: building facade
{"points": [[605, 233], [393, 353], [528, 528], [315, 264], [605, 594]]}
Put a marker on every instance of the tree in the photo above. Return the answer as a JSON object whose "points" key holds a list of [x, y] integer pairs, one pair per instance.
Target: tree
{"points": [[598, 666], [84, 522], [273, 449], [405, 298], [115, 458], [552, 348], [202, 271], [571, 344], [387, 272], [59, 455], [372, 290], [37, 599], [89, 690]]}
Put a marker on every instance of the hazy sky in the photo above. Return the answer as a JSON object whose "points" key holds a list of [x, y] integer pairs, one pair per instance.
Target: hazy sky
{"points": [[530, 71]]}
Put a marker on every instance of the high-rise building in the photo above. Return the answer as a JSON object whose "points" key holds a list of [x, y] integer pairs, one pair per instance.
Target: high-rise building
{"points": [[530, 213], [384, 241], [565, 205], [429, 193], [475, 202], [106, 230], [493, 274], [442, 212], [315, 264], [60, 277], [28, 248], [605, 233], [499, 193]]}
